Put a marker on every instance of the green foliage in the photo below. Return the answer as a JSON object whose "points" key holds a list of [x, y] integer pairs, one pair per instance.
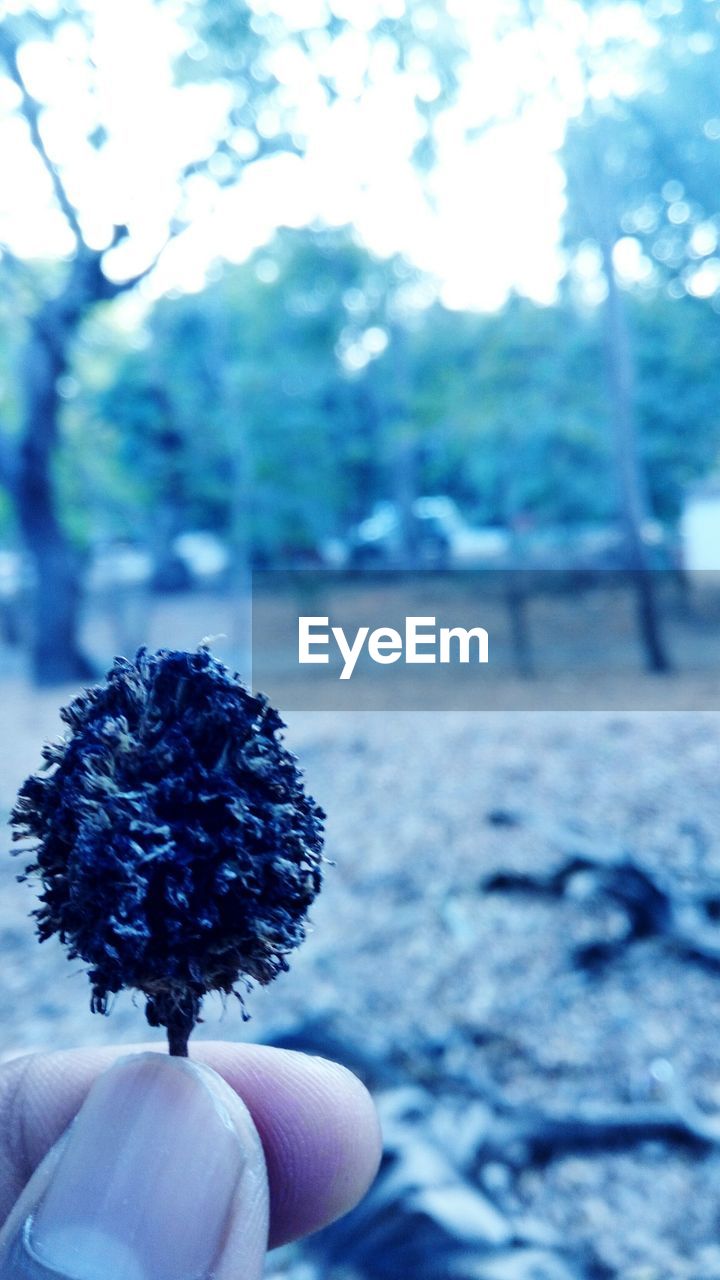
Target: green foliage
{"points": [[519, 393], [678, 395], [238, 412], [267, 409], [244, 48], [643, 159]]}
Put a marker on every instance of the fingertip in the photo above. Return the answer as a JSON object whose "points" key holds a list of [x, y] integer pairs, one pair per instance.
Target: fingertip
{"points": [[359, 1144], [319, 1130]]}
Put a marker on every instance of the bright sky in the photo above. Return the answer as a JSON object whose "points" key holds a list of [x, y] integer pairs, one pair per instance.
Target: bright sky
{"points": [[485, 222]]}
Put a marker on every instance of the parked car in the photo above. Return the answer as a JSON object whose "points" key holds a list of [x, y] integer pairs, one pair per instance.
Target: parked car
{"points": [[15, 580], [439, 533], [470, 546], [117, 564], [196, 559], [206, 557], [12, 574]]}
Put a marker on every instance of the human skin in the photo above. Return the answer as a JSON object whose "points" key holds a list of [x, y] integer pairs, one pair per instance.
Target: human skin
{"points": [[319, 1135]]}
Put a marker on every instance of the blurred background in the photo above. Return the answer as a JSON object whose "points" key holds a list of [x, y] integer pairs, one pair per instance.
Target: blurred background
{"points": [[354, 284]]}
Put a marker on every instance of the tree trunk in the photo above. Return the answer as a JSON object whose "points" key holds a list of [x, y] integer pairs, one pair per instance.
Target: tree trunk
{"points": [[56, 654], [405, 487], [516, 601], [404, 476], [55, 651], [633, 501]]}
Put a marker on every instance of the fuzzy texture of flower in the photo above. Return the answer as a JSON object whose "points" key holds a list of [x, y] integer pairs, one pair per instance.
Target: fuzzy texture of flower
{"points": [[176, 848]]}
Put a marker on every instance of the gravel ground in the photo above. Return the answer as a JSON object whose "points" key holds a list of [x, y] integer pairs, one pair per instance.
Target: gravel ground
{"points": [[408, 959]]}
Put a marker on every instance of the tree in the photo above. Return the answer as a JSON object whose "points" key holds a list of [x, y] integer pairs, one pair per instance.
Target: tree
{"points": [[508, 411], [45, 358], [265, 378], [231, 46], [623, 165]]}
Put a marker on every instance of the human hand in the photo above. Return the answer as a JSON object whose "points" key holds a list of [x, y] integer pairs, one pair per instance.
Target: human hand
{"points": [[174, 1169]]}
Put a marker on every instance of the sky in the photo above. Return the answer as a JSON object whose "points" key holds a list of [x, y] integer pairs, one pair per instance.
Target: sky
{"points": [[485, 222]]}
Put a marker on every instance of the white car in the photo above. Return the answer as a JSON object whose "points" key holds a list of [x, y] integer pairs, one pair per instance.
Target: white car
{"points": [[204, 555], [469, 546], [12, 574], [444, 539]]}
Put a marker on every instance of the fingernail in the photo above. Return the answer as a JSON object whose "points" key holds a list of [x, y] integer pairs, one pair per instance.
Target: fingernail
{"points": [[143, 1187]]}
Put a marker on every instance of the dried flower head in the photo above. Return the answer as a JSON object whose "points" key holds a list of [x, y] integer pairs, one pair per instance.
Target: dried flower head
{"points": [[177, 850]]}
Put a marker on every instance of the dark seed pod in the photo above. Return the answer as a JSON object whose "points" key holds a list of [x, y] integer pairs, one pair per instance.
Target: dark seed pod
{"points": [[176, 848]]}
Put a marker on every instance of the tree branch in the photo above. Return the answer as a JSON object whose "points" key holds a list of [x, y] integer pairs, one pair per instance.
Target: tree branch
{"points": [[113, 288], [31, 110]]}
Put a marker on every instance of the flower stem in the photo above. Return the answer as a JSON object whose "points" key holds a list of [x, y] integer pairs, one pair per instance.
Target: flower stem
{"points": [[178, 1042], [179, 1027]]}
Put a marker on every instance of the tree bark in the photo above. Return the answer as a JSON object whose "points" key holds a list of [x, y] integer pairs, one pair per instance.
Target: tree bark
{"points": [[55, 598]]}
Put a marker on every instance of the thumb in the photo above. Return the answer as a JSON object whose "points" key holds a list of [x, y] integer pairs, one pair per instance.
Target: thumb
{"points": [[161, 1176]]}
